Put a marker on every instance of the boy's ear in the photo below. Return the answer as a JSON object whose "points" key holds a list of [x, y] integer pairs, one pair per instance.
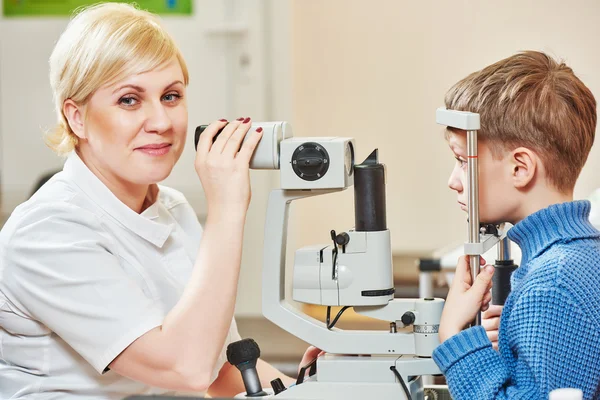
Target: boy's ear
{"points": [[75, 118], [524, 166]]}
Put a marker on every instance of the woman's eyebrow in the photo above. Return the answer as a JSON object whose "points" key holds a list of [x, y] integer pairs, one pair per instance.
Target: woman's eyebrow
{"points": [[141, 89], [173, 84], [135, 87]]}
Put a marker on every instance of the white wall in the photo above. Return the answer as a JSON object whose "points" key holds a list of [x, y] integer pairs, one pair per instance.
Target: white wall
{"points": [[377, 70]]}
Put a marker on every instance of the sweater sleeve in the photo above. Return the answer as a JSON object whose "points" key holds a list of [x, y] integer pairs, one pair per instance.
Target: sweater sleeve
{"points": [[552, 351], [473, 369]]}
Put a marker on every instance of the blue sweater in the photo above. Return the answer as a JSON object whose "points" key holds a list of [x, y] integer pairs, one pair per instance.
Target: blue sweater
{"points": [[549, 334]]}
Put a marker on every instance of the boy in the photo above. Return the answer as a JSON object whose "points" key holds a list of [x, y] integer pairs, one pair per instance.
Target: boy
{"points": [[537, 127]]}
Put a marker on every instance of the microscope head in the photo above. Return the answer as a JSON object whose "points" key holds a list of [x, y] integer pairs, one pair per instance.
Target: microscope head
{"points": [[305, 162], [356, 270]]}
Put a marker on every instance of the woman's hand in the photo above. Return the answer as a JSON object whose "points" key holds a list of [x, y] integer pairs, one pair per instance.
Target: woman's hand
{"points": [[223, 166], [465, 299], [490, 320]]}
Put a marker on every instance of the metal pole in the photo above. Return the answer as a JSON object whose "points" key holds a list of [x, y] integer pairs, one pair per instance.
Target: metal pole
{"points": [[473, 204], [504, 249], [425, 284]]}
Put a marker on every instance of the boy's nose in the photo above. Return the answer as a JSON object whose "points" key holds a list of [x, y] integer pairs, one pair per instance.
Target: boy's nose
{"points": [[455, 183]]}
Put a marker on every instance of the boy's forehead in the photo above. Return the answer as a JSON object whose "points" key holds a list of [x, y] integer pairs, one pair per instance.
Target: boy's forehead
{"points": [[455, 137]]}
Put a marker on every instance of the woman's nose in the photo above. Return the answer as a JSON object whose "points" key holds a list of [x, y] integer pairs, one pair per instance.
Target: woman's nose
{"points": [[158, 120]]}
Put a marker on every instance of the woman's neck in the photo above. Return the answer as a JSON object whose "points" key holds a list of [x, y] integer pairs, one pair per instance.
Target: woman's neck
{"points": [[132, 195]]}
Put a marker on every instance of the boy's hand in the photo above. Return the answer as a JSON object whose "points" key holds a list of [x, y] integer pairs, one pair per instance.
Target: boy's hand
{"points": [[490, 320], [465, 299], [310, 354]]}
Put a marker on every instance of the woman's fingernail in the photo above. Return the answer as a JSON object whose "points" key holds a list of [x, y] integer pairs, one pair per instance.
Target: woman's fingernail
{"points": [[489, 269], [223, 120], [259, 129], [247, 120], [240, 119]]}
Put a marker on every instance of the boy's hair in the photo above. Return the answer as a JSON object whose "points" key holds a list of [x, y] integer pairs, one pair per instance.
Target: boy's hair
{"points": [[531, 100]]}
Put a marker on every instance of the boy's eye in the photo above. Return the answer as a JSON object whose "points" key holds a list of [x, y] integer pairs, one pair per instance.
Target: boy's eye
{"points": [[461, 162]]}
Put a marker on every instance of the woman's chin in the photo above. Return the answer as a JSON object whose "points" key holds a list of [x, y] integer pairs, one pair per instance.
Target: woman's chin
{"points": [[150, 177]]}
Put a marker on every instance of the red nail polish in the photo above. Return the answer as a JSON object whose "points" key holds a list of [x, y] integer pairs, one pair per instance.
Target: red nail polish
{"points": [[223, 120], [240, 119], [259, 129], [247, 120]]}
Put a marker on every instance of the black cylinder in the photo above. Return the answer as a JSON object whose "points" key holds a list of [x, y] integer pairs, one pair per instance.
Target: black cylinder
{"points": [[430, 264], [369, 195], [277, 385], [252, 383], [501, 281], [243, 354]]}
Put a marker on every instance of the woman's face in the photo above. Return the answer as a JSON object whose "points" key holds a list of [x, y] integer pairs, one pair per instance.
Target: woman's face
{"points": [[135, 130]]}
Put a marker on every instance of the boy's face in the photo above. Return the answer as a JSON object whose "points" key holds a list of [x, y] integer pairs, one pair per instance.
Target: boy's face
{"points": [[497, 199]]}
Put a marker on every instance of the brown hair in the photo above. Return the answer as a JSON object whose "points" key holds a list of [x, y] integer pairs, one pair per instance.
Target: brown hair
{"points": [[531, 100]]}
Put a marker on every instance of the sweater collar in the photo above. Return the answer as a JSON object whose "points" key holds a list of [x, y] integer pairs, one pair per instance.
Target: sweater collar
{"points": [[558, 222]]}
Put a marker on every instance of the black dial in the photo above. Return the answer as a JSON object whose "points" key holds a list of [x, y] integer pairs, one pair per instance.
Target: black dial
{"points": [[310, 161], [408, 318]]}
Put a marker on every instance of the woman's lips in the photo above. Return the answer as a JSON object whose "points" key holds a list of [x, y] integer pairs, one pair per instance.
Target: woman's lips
{"points": [[159, 149]]}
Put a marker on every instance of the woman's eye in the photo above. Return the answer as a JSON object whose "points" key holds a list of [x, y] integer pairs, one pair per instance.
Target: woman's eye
{"points": [[171, 97], [127, 101]]}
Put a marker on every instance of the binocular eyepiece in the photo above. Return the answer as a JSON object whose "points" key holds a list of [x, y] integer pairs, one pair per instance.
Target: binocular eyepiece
{"points": [[266, 155]]}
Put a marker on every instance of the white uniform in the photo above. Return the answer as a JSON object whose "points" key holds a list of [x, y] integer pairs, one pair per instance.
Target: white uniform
{"points": [[81, 277]]}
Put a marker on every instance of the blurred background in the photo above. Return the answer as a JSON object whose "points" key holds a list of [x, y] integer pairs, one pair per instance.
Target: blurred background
{"points": [[373, 70]]}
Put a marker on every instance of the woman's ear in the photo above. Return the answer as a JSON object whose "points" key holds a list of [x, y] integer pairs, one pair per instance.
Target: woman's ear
{"points": [[75, 118], [524, 166]]}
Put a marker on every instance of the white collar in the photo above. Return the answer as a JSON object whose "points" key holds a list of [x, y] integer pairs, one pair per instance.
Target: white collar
{"points": [[142, 224]]}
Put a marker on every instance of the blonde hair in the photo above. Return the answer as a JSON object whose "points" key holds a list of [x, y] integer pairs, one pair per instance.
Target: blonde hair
{"points": [[531, 100], [101, 45]]}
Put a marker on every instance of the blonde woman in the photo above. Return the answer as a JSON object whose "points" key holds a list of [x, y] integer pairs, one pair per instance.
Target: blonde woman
{"points": [[109, 286]]}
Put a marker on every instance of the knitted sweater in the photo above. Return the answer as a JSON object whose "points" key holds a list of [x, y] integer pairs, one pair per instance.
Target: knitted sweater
{"points": [[549, 333]]}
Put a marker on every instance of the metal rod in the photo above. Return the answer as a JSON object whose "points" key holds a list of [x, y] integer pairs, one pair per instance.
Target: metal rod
{"points": [[473, 204], [504, 249], [425, 284]]}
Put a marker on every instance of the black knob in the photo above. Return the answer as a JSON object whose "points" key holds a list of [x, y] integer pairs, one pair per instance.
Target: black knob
{"points": [[243, 354], [342, 239], [242, 351], [408, 318], [310, 161], [277, 386]]}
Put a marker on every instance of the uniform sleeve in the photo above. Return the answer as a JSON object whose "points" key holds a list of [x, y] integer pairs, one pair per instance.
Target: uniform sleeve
{"points": [[61, 269]]}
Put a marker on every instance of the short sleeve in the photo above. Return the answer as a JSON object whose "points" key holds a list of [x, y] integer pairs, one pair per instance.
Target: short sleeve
{"points": [[59, 266]]}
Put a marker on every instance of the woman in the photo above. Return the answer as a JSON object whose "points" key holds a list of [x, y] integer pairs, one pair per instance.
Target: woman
{"points": [[108, 284]]}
